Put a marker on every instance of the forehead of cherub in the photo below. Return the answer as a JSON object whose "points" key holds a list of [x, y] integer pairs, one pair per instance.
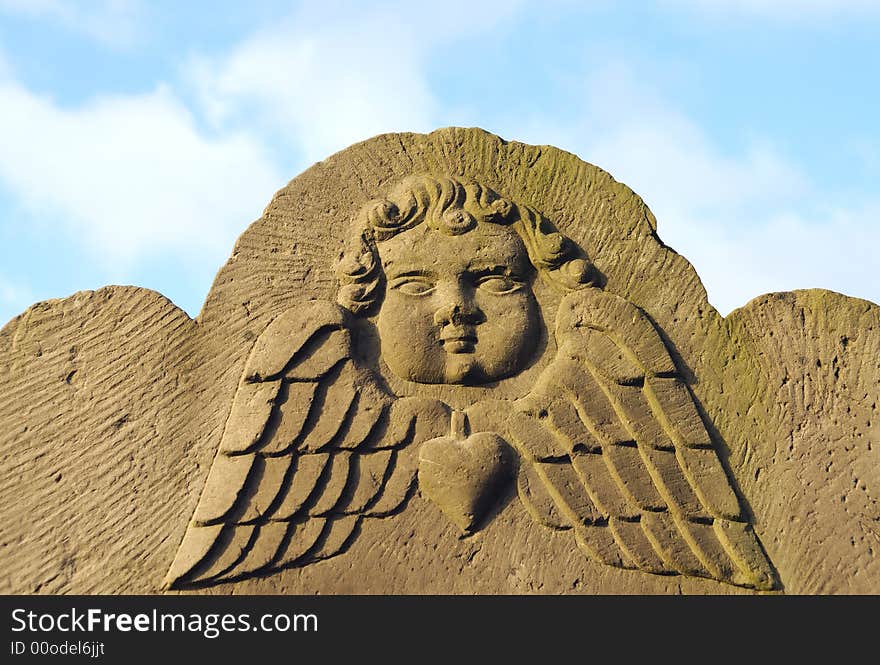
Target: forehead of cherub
{"points": [[486, 248]]}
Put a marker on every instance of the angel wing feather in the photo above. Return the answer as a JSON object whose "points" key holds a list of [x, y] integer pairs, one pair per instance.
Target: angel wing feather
{"points": [[614, 449], [312, 447]]}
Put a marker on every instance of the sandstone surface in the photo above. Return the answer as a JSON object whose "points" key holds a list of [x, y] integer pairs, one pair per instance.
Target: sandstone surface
{"points": [[142, 451]]}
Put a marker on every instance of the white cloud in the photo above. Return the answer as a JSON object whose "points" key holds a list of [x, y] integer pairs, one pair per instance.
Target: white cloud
{"points": [[750, 221], [782, 251], [322, 92], [327, 77], [130, 177], [113, 22], [134, 179]]}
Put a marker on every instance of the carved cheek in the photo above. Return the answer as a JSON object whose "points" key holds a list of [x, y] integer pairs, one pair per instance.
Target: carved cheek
{"points": [[516, 328], [405, 319], [507, 312], [409, 339]]}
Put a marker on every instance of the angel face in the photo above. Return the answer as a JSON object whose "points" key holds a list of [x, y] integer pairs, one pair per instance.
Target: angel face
{"points": [[458, 309]]}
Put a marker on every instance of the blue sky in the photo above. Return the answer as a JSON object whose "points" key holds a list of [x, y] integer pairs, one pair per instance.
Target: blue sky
{"points": [[139, 139]]}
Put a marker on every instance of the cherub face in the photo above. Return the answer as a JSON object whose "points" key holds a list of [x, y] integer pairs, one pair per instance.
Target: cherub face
{"points": [[457, 309]]}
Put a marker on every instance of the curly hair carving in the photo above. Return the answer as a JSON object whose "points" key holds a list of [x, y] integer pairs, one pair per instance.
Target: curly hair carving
{"points": [[451, 205]]}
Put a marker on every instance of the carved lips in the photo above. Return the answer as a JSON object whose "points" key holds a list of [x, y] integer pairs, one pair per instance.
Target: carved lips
{"points": [[459, 340], [462, 475]]}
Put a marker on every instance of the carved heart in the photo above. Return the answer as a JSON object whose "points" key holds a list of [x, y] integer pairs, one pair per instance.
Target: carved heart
{"points": [[463, 475]]}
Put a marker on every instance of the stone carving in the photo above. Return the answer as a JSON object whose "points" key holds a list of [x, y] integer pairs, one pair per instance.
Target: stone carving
{"points": [[443, 363], [608, 443]]}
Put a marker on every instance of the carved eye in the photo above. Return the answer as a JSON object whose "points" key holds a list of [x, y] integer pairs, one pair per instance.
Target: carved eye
{"points": [[413, 286], [499, 284]]}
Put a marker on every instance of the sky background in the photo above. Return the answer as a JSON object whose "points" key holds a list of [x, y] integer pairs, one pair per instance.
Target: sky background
{"points": [[139, 139]]}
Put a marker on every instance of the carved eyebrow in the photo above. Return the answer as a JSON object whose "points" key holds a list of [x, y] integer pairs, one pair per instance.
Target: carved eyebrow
{"points": [[500, 270], [410, 273]]}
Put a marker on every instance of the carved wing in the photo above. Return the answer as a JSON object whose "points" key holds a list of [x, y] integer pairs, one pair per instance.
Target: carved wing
{"points": [[614, 450], [312, 447]]}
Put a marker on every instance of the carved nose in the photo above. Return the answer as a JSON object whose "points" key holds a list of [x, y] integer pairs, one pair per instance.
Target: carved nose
{"points": [[458, 314]]}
